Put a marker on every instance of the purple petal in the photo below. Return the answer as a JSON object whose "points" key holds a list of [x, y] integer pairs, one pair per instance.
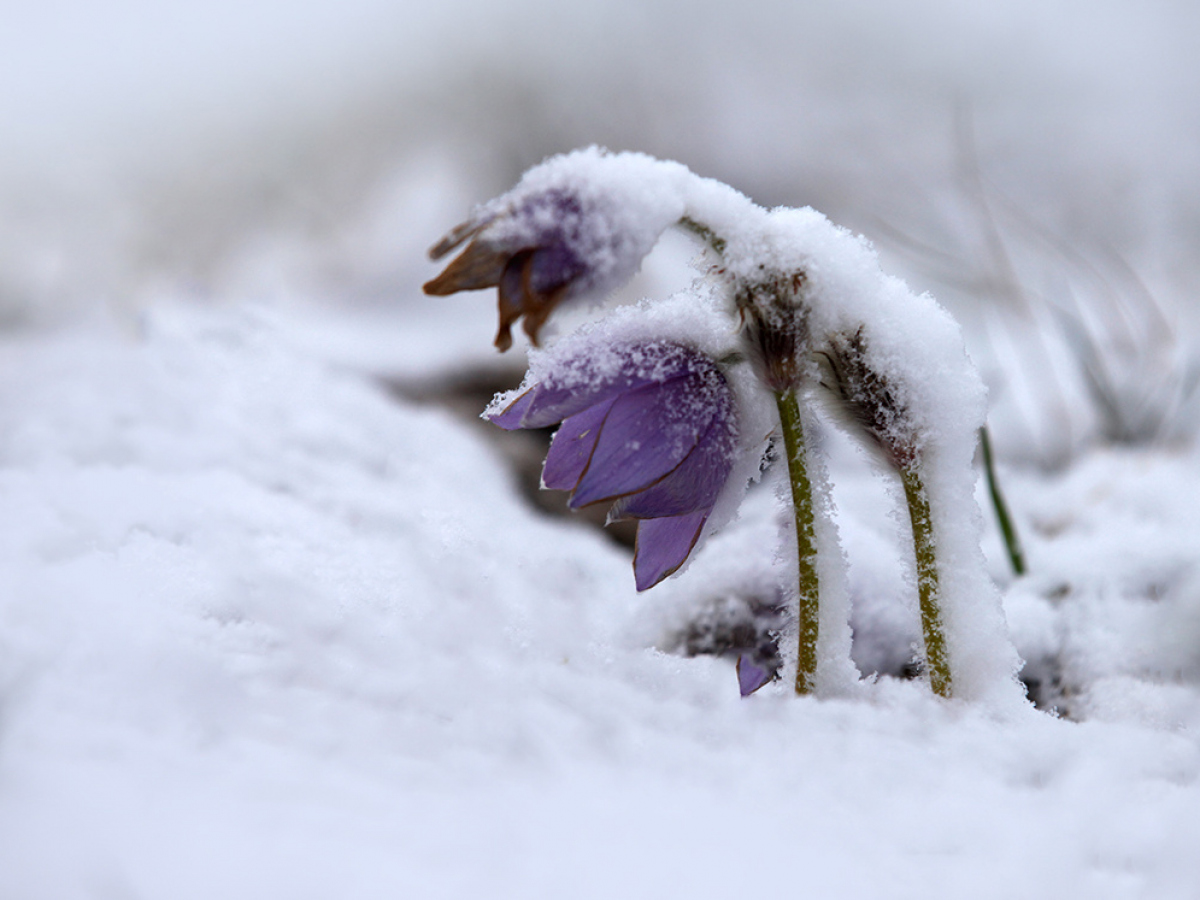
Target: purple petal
{"points": [[571, 450], [648, 433], [553, 266], [510, 418], [662, 546], [577, 383], [554, 404], [691, 486], [751, 676]]}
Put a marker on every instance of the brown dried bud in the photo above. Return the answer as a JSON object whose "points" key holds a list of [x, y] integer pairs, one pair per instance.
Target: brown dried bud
{"points": [[866, 398], [775, 328]]}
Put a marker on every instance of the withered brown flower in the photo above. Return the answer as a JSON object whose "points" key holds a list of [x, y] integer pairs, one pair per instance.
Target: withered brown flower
{"points": [[530, 254]]}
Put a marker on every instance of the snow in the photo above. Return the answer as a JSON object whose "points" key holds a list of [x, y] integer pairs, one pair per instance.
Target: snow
{"points": [[268, 628], [268, 631]]}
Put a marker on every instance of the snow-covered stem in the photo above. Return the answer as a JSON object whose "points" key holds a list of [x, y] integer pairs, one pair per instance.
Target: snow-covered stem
{"points": [[808, 583], [925, 545], [704, 232], [1012, 542]]}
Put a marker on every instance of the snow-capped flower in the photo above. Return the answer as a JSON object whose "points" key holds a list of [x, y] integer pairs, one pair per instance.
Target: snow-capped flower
{"points": [[650, 427], [534, 266], [576, 226]]}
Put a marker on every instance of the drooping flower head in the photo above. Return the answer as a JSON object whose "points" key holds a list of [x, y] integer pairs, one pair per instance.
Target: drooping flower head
{"points": [[648, 426], [867, 398], [775, 326], [578, 225], [534, 267]]}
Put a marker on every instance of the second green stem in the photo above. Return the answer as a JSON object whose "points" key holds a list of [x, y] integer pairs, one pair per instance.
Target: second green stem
{"points": [[936, 658], [1008, 531], [807, 614]]}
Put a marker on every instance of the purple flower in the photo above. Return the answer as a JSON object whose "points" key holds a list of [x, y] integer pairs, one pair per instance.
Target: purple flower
{"points": [[649, 427]]}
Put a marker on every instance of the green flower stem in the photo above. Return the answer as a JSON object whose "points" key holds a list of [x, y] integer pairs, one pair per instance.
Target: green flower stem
{"points": [[927, 579], [806, 540], [1016, 556]]}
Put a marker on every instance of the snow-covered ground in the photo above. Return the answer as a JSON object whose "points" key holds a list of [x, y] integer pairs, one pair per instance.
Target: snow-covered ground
{"points": [[269, 627], [268, 631]]}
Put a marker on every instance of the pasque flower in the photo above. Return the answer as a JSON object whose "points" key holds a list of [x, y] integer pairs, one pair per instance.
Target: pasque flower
{"points": [[530, 253], [649, 424], [576, 226], [650, 427]]}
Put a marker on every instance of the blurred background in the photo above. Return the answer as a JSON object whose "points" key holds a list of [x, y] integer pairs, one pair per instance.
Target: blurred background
{"points": [[1033, 164]]}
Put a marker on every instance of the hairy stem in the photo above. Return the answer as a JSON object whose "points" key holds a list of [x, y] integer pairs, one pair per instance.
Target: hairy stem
{"points": [[806, 540], [927, 579], [705, 233], [1016, 556]]}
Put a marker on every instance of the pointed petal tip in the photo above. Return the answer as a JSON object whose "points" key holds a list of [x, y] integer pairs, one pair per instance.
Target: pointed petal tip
{"points": [[444, 284], [512, 416], [455, 236], [503, 341], [751, 676], [663, 545]]}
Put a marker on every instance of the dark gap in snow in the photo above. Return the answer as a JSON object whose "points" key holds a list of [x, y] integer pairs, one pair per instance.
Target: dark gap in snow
{"points": [[466, 395], [733, 625]]}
